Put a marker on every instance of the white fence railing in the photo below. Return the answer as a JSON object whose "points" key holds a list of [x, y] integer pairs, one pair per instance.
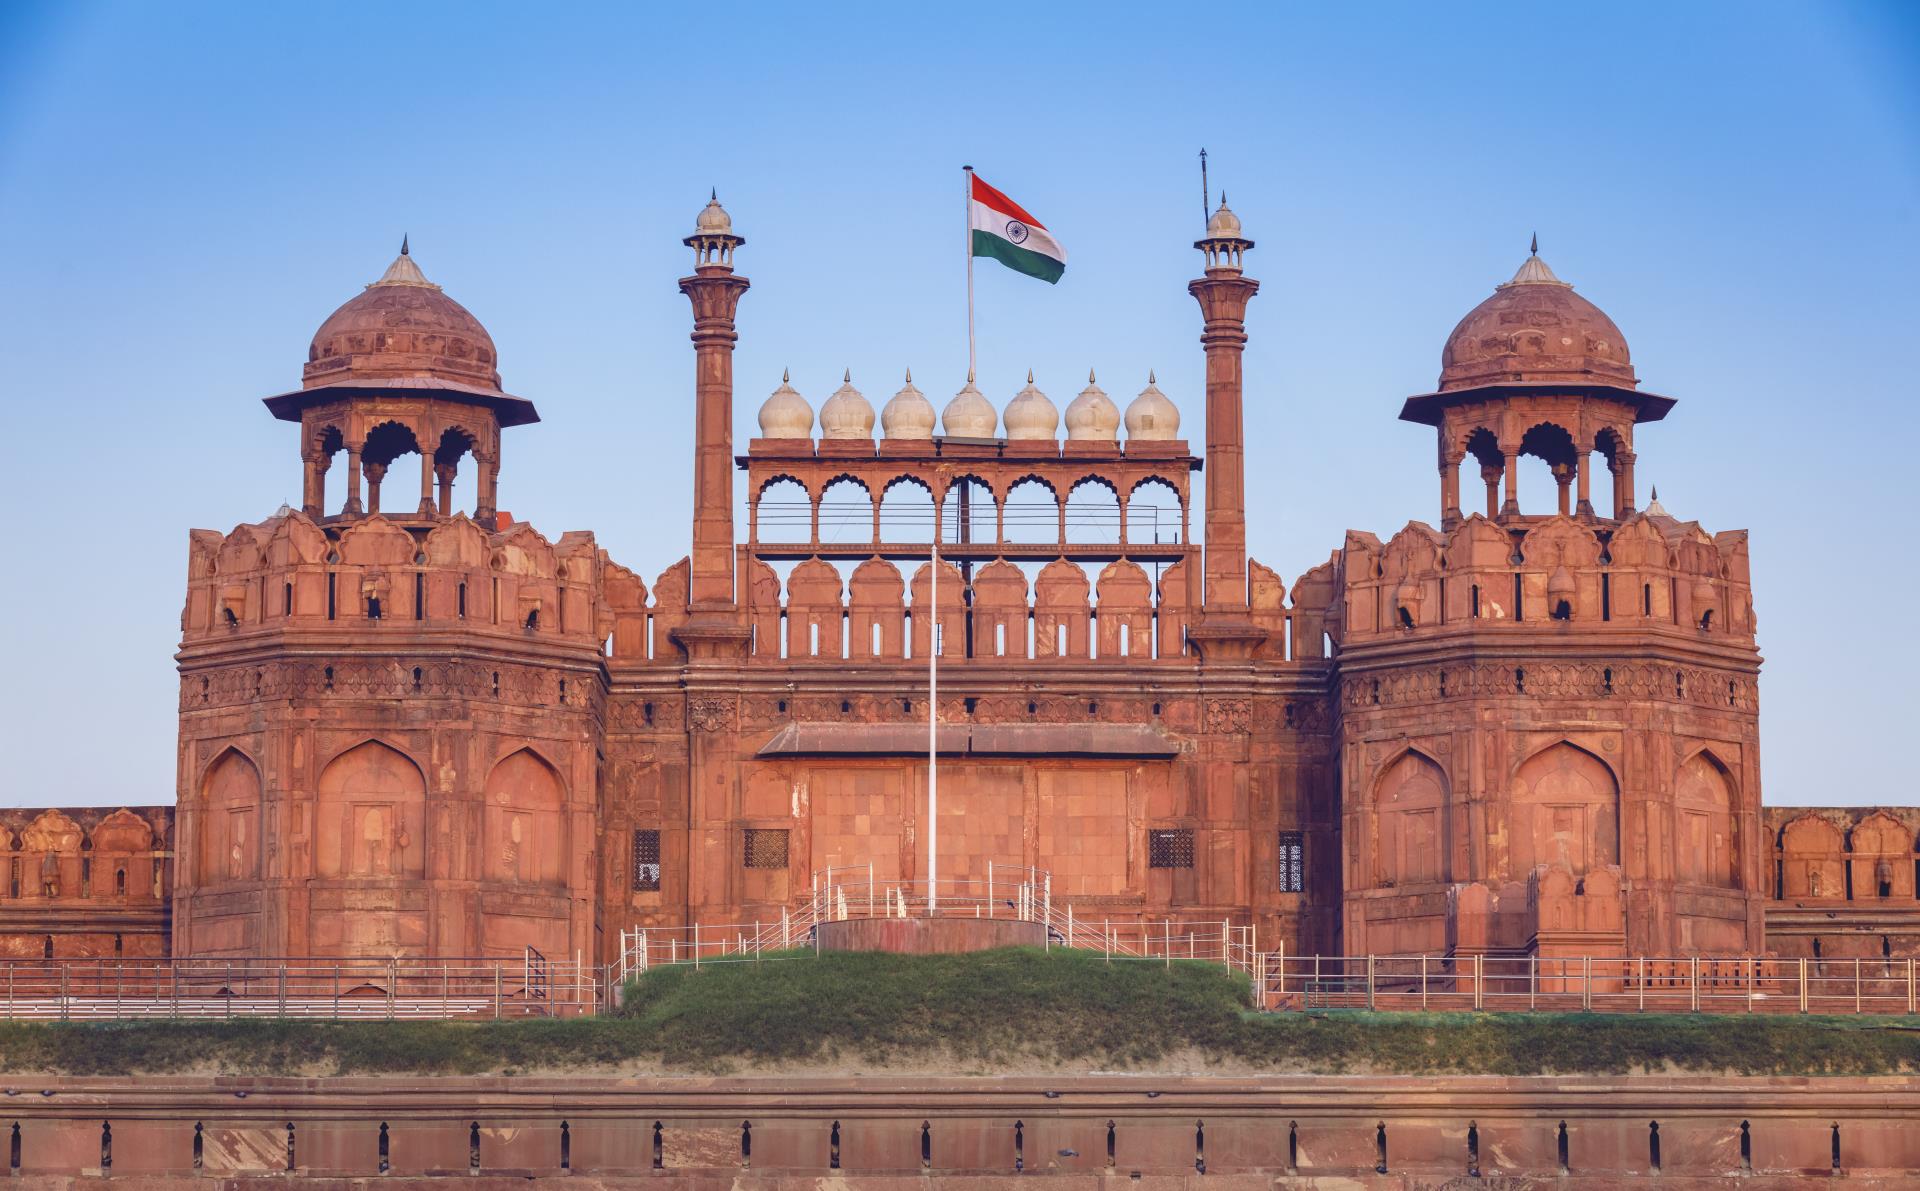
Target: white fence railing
{"points": [[298, 986], [1612, 984], [1019, 894]]}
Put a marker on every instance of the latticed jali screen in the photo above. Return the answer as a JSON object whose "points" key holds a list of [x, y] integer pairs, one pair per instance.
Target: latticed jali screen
{"points": [[765, 848], [1170, 848], [646, 861]]}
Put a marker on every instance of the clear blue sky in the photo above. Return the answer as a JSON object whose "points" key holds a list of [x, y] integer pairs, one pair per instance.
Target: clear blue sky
{"points": [[187, 190]]}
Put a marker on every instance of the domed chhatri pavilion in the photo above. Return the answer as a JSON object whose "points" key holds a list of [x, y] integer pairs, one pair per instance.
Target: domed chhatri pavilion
{"points": [[411, 726]]}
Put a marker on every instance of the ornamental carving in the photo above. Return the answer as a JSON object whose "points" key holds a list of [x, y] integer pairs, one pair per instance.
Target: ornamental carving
{"points": [[1695, 685], [1229, 715], [711, 715], [390, 678]]}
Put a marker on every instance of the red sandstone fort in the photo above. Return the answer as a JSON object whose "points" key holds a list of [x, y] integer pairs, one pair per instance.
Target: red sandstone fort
{"points": [[409, 728]]}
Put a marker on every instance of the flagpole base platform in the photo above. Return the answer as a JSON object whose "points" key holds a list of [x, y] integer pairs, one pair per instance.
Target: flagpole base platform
{"points": [[929, 936]]}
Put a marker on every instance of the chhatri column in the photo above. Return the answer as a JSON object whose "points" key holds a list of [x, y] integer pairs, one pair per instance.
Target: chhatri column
{"points": [[715, 292], [486, 513], [426, 483], [1223, 295], [353, 507], [376, 472], [313, 496], [1622, 467]]}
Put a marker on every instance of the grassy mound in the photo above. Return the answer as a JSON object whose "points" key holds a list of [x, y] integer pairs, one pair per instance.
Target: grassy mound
{"points": [[1008, 1012]]}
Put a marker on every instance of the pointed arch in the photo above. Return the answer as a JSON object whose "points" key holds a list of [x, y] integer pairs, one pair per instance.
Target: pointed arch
{"points": [[1706, 823], [526, 826], [369, 814], [229, 820], [1566, 810], [1411, 844]]}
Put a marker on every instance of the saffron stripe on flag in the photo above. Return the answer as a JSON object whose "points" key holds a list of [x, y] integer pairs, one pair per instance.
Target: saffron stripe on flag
{"points": [[987, 195]]}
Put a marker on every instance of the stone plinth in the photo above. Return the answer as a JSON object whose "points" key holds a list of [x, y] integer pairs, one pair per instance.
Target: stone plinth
{"points": [[929, 936]]}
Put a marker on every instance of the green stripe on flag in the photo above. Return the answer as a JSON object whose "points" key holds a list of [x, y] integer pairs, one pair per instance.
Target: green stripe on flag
{"points": [[1020, 260]]}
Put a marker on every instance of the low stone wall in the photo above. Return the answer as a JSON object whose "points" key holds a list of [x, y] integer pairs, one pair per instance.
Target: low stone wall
{"points": [[929, 936], [881, 1134]]}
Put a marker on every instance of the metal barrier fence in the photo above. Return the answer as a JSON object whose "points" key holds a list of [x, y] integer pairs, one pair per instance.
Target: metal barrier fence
{"points": [[1639, 984], [305, 987], [1019, 894]]}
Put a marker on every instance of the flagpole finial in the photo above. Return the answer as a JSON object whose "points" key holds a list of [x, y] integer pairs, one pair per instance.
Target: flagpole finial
{"points": [[403, 243]]}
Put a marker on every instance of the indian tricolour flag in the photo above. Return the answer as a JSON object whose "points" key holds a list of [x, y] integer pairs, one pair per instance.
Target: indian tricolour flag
{"points": [[1003, 230]]}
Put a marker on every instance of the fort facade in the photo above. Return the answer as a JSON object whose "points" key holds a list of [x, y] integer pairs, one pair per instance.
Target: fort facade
{"points": [[409, 727]]}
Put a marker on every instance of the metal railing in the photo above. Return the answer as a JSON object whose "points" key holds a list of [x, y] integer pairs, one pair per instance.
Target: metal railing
{"points": [[296, 986], [1012, 893], [1596, 984]]}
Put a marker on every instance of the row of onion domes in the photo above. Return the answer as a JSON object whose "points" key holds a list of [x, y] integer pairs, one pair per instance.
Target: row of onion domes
{"points": [[1091, 417]]}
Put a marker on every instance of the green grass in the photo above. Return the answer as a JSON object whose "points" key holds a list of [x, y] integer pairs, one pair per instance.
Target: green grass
{"points": [[1011, 1011]]}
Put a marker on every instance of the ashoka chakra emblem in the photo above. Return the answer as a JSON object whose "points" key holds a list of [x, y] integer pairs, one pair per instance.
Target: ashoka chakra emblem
{"points": [[1017, 231]]}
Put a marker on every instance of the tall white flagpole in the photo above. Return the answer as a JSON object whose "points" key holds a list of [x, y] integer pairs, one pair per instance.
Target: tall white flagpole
{"points": [[966, 172]]}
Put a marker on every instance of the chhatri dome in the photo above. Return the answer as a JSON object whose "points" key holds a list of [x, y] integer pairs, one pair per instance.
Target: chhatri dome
{"points": [[1223, 223], [402, 326], [1151, 417], [786, 414], [1535, 329], [969, 414], [846, 414], [713, 219], [909, 414], [1092, 416], [1030, 415]]}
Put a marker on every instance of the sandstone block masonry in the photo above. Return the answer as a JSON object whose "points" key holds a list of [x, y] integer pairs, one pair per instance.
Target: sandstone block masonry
{"points": [[410, 725]]}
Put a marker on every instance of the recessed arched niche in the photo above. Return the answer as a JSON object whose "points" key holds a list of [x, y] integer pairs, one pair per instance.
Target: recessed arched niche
{"points": [[1566, 811], [526, 837], [369, 815]]}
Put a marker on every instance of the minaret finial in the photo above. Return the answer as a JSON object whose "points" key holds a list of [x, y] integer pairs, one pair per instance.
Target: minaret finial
{"points": [[909, 376], [1150, 379], [784, 378], [1656, 492], [1534, 248], [713, 194], [846, 378], [1029, 376], [1089, 376], [403, 243]]}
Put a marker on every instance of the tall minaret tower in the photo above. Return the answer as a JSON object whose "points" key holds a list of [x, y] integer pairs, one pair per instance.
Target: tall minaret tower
{"points": [[715, 291], [1225, 630]]}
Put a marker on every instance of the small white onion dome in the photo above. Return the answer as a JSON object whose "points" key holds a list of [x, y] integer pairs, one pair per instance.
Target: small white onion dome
{"points": [[909, 414], [1224, 224], [846, 414], [786, 413], [969, 414], [1092, 416], [1030, 415], [713, 219], [1151, 417]]}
